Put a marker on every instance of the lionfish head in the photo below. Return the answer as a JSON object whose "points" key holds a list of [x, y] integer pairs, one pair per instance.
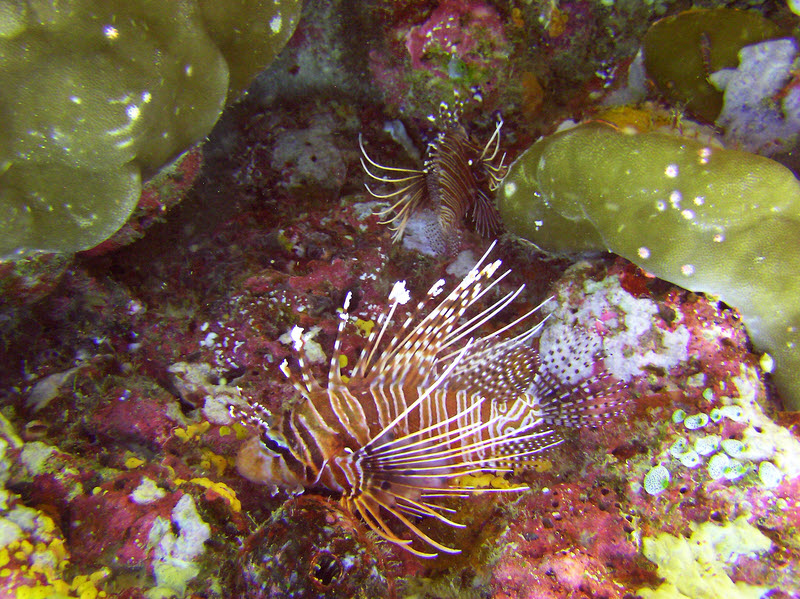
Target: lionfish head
{"points": [[425, 408], [258, 463]]}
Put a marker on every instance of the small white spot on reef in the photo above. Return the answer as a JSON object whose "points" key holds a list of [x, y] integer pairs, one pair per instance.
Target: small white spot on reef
{"points": [[690, 459], [644, 252], [661, 205], [719, 238], [188, 70], [704, 153], [699, 200], [733, 447], [209, 341], [717, 465], [110, 32], [656, 480], [687, 214], [671, 171], [769, 474], [696, 421], [275, 23], [510, 189], [707, 445], [296, 335], [675, 199], [735, 413], [147, 492], [678, 447], [133, 112], [687, 270], [735, 469], [399, 293]]}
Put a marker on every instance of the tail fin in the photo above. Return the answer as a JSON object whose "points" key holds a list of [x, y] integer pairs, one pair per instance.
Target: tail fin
{"points": [[568, 389], [589, 403]]}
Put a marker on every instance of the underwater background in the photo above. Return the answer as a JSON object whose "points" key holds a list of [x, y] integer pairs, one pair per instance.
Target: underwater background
{"points": [[182, 190]]}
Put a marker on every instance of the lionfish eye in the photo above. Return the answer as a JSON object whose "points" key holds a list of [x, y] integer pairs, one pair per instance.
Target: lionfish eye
{"points": [[326, 569]]}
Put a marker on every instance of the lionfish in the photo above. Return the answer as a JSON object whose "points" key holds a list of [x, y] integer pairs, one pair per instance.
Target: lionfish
{"points": [[457, 178], [423, 409]]}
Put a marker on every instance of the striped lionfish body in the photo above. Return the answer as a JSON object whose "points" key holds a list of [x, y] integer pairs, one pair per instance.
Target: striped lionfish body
{"points": [[421, 410], [457, 180]]}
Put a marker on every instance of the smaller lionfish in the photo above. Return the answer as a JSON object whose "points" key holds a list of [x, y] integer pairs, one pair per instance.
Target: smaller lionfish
{"points": [[457, 179], [423, 409]]}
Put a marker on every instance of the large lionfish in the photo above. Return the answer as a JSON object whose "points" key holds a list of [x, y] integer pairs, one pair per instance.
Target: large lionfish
{"points": [[423, 409], [457, 178]]}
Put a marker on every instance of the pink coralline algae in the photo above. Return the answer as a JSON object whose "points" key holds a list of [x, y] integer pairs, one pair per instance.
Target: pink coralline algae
{"points": [[133, 418], [457, 31], [568, 541], [114, 522], [698, 443], [461, 47]]}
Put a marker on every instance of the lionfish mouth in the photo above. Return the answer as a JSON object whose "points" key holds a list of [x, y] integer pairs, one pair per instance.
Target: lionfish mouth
{"points": [[457, 181], [426, 407]]}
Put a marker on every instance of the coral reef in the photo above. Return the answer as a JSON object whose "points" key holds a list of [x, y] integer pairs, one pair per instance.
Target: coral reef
{"points": [[119, 366], [565, 541], [161, 193]]}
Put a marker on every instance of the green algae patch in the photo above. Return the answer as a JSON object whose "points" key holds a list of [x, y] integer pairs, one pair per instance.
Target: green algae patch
{"points": [[96, 96], [708, 219], [681, 51]]}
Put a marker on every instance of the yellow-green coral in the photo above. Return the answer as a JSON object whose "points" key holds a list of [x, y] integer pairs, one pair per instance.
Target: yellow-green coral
{"points": [[698, 567], [221, 489], [682, 50], [95, 95], [34, 560], [213, 460], [719, 221], [192, 430]]}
